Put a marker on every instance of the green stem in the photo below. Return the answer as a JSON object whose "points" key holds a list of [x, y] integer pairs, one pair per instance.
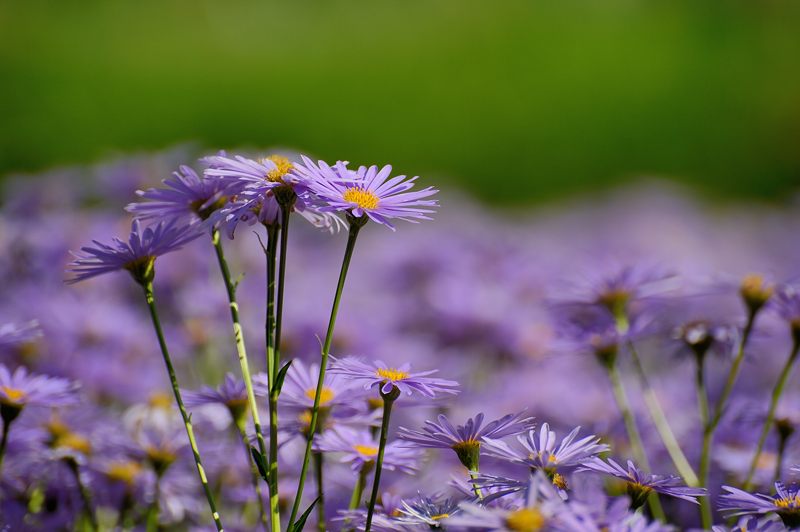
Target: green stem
{"points": [[776, 396], [254, 476], [706, 512], [152, 513], [312, 427], [388, 401], [272, 371], [86, 497], [4, 443], [285, 213], [635, 438], [270, 254], [358, 489], [661, 423], [318, 470], [473, 475], [187, 420]]}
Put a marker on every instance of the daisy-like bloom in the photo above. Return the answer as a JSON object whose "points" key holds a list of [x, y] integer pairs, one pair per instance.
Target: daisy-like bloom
{"points": [[785, 503], [274, 170], [700, 337], [300, 387], [12, 335], [752, 524], [378, 374], [429, 511], [137, 255], [786, 302], [497, 519], [360, 449], [641, 484], [20, 389], [755, 292], [231, 394], [466, 439], [545, 453], [368, 191], [186, 198]]}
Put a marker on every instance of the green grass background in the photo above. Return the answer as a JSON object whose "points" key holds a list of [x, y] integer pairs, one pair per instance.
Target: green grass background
{"points": [[517, 100]]}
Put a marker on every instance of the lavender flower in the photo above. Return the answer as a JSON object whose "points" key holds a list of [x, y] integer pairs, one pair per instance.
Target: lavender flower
{"points": [[12, 335], [21, 388], [137, 255], [465, 439], [274, 170], [300, 387], [366, 192], [787, 304], [641, 484], [378, 374], [785, 503], [186, 198], [360, 448], [232, 394], [429, 511], [752, 524]]}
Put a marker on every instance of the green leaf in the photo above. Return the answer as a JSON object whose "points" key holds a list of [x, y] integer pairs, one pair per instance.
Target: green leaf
{"points": [[261, 463], [301, 521], [281, 376]]}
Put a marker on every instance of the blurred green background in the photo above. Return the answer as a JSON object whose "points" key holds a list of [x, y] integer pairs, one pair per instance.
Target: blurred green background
{"points": [[517, 100]]}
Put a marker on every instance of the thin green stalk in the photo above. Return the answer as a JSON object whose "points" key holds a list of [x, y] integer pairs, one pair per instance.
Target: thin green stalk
{"points": [[319, 460], [633, 433], [355, 226], [776, 396], [661, 423], [254, 476], [86, 496], [4, 443], [388, 401], [473, 475], [187, 421], [238, 336], [285, 214], [702, 405], [272, 371], [151, 524], [358, 489], [270, 254]]}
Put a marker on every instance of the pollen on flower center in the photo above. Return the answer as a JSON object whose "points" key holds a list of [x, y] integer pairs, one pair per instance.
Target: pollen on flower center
{"points": [[282, 167], [391, 374], [124, 471], [363, 198], [366, 450], [787, 502], [439, 517], [160, 400], [325, 396], [13, 395], [525, 520]]}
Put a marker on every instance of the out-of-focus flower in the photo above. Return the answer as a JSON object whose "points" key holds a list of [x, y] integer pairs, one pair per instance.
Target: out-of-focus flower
{"points": [[787, 303], [367, 191], [21, 388], [474, 516], [755, 292], [137, 255], [232, 394], [300, 387], [12, 334], [752, 524], [429, 511], [360, 448], [641, 484], [785, 503], [466, 439], [379, 374]]}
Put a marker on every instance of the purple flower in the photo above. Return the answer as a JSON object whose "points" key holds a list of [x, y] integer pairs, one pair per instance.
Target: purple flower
{"points": [[186, 198], [785, 503], [366, 192], [378, 374], [542, 452], [465, 439], [231, 394], [752, 524], [273, 171], [429, 511], [137, 255], [20, 388], [497, 519], [360, 448], [300, 387], [786, 302], [641, 484], [12, 335]]}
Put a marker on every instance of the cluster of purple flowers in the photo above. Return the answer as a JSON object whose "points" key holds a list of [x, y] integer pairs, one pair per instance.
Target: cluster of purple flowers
{"points": [[637, 320]]}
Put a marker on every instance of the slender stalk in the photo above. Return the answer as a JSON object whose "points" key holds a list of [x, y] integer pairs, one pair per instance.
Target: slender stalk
{"points": [[272, 371], [319, 460], [358, 489], [473, 475], [388, 401], [270, 254], [254, 476], [702, 406], [3, 444], [151, 524], [661, 423], [285, 213], [187, 421], [86, 496], [776, 396], [238, 336], [633, 433], [355, 226]]}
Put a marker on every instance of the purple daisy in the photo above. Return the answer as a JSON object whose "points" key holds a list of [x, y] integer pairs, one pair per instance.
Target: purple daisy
{"points": [[137, 255], [20, 388], [641, 484], [466, 439], [300, 387], [360, 448], [429, 511], [786, 302], [12, 334], [232, 394], [378, 374], [186, 198], [272, 171], [368, 191], [785, 503], [752, 524]]}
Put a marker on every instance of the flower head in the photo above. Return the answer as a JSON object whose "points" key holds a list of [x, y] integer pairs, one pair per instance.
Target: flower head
{"points": [[231, 394], [378, 374], [429, 511], [368, 191], [641, 484], [466, 439], [300, 387], [20, 388], [12, 334], [787, 304], [137, 255], [186, 197], [785, 503], [359, 448], [275, 170]]}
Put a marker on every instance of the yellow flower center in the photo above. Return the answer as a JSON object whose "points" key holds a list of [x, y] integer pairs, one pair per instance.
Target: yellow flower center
{"points": [[525, 520], [12, 395], [439, 517], [124, 471], [559, 481], [282, 167], [73, 441], [366, 450], [160, 400], [325, 396], [391, 374], [363, 198], [305, 417]]}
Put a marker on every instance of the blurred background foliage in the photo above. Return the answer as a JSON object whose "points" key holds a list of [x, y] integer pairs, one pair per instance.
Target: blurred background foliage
{"points": [[517, 100]]}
